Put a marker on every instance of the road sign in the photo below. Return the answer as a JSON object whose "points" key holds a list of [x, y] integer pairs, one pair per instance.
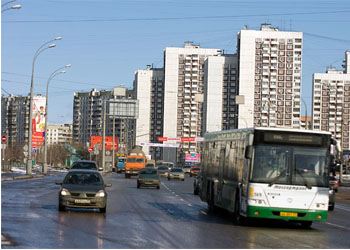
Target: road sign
{"points": [[90, 150], [151, 144], [4, 139]]}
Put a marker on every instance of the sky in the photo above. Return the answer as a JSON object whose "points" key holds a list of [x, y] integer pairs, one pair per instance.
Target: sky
{"points": [[106, 41]]}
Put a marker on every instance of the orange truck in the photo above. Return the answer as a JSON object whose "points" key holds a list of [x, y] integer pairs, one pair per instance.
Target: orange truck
{"points": [[135, 161]]}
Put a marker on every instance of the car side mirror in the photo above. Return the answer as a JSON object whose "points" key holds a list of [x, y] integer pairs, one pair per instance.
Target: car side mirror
{"points": [[248, 152], [58, 182], [108, 185]]}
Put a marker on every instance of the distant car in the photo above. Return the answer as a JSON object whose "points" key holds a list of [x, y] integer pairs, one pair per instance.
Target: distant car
{"points": [[334, 183], [150, 165], [148, 177], [82, 189], [331, 203], [197, 182], [186, 169], [194, 171], [85, 164], [163, 170], [121, 165], [176, 173]]}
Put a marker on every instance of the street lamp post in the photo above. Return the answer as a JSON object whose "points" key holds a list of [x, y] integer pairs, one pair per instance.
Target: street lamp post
{"points": [[13, 7], [43, 47], [54, 74]]}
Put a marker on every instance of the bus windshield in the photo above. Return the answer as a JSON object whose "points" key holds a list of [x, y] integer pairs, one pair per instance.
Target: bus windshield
{"points": [[293, 165]]}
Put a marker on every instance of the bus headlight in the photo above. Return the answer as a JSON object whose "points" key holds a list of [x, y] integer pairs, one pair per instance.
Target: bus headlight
{"points": [[321, 205], [257, 202]]}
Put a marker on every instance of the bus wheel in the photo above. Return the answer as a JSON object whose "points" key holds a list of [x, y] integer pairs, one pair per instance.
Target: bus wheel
{"points": [[306, 224]]}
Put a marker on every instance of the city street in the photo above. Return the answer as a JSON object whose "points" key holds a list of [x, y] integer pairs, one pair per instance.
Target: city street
{"points": [[171, 217]]}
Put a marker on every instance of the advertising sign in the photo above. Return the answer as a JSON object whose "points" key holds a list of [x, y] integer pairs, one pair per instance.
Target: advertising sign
{"points": [[97, 140], [38, 121], [193, 157]]}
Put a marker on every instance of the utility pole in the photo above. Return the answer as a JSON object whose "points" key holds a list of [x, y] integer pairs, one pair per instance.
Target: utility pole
{"points": [[113, 149], [104, 137]]}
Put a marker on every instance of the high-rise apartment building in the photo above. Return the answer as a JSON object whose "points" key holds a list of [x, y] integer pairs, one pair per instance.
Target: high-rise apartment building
{"points": [[269, 77], [88, 116], [220, 90], [183, 88], [14, 119], [331, 102], [149, 89], [59, 133]]}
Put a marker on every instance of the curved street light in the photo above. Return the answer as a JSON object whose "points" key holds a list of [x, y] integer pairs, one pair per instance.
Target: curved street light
{"points": [[13, 7], [54, 74], [42, 48]]}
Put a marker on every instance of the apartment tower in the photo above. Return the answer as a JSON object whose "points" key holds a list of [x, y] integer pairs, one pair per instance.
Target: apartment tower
{"points": [[183, 92], [269, 77], [331, 102], [149, 89]]}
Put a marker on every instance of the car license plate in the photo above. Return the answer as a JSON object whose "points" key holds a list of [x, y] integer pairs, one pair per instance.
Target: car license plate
{"points": [[288, 214], [82, 201]]}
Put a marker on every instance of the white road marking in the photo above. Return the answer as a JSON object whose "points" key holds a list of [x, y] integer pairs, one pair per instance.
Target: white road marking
{"points": [[342, 207], [189, 205], [204, 212], [335, 225]]}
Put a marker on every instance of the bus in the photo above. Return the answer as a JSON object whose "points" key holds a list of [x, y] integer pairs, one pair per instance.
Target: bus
{"points": [[268, 173]]}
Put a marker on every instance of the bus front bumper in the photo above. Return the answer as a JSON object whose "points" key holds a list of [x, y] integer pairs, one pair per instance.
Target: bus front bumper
{"points": [[287, 214]]}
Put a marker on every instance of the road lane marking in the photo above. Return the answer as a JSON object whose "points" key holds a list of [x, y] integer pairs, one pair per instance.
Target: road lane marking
{"points": [[190, 205], [204, 212], [335, 225], [342, 207]]}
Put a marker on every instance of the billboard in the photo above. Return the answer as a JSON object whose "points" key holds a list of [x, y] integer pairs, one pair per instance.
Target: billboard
{"points": [[38, 121], [97, 140], [193, 157]]}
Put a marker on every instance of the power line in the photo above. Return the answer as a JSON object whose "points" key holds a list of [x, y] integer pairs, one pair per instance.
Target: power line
{"points": [[176, 18]]}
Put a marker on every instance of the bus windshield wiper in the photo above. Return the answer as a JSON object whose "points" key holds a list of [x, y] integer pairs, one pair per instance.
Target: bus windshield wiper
{"points": [[282, 174]]}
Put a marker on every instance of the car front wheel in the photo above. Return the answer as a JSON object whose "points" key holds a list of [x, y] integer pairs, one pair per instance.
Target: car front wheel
{"points": [[103, 210], [61, 208]]}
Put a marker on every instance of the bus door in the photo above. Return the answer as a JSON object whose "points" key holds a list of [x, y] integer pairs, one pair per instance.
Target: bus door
{"points": [[221, 176]]}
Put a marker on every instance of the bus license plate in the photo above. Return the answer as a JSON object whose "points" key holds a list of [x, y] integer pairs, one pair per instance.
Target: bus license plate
{"points": [[82, 201], [288, 214]]}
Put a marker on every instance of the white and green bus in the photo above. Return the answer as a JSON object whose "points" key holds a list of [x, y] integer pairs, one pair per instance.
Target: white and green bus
{"points": [[268, 173]]}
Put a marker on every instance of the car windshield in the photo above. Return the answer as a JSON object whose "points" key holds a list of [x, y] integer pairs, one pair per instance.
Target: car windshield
{"points": [[290, 165], [121, 160], [133, 160], [84, 165], [148, 172], [163, 168], [177, 170], [83, 179]]}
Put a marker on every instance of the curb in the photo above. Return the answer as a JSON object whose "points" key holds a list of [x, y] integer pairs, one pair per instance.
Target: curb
{"points": [[22, 177]]}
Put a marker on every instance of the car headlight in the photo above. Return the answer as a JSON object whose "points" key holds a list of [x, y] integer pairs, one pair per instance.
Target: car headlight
{"points": [[100, 193], [65, 192]]}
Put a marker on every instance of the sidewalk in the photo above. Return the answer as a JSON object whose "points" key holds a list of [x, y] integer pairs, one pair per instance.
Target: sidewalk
{"points": [[17, 173]]}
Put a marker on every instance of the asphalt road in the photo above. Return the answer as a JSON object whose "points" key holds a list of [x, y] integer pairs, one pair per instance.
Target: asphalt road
{"points": [[171, 217]]}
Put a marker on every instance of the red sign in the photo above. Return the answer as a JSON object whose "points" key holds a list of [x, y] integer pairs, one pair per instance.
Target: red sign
{"points": [[188, 139], [162, 138], [90, 150], [96, 139], [3, 139], [193, 157]]}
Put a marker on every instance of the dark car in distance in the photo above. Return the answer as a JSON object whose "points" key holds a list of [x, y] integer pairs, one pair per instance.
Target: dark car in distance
{"points": [[194, 171], [85, 164], [148, 177], [82, 188]]}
